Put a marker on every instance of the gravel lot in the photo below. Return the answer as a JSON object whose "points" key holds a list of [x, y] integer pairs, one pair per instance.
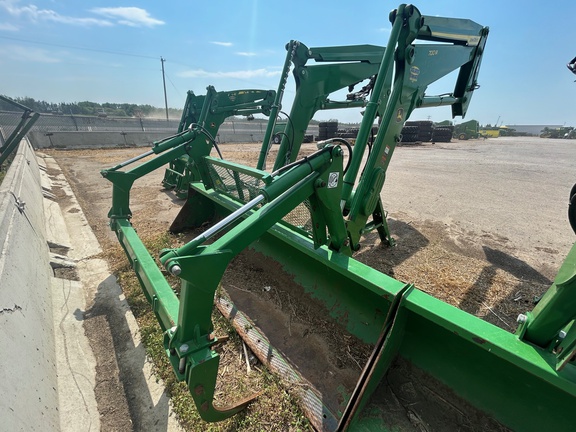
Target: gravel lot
{"points": [[512, 190], [480, 224]]}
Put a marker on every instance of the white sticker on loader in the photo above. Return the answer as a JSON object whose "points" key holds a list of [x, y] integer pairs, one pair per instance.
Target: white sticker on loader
{"points": [[333, 180]]}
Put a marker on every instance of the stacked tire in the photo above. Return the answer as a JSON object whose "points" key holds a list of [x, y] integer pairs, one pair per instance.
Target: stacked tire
{"points": [[442, 133], [327, 130], [409, 133], [425, 128], [347, 133]]}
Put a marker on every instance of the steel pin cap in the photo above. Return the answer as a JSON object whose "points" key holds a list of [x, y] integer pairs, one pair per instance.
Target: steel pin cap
{"points": [[176, 270]]}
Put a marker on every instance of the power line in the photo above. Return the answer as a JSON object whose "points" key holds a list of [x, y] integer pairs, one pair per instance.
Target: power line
{"points": [[112, 52], [80, 48], [120, 53], [169, 80]]}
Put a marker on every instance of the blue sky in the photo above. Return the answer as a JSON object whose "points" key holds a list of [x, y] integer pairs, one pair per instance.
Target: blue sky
{"points": [[240, 44]]}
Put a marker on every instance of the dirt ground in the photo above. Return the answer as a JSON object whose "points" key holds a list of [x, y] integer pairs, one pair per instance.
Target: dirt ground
{"points": [[478, 224]]}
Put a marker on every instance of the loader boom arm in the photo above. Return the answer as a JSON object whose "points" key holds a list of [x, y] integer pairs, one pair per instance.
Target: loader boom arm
{"points": [[401, 73]]}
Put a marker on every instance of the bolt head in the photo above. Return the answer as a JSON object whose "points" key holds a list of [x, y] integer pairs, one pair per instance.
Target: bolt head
{"points": [[184, 348], [521, 319], [176, 270], [562, 334]]}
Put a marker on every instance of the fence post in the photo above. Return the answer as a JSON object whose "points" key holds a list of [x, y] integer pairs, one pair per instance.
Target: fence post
{"points": [[74, 121]]}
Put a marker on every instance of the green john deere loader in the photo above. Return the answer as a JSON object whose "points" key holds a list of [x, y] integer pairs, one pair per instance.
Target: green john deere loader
{"points": [[305, 217]]}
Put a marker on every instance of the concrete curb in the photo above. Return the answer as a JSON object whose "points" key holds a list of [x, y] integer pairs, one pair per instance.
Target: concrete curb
{"points": [[49, 367], [76, 374], [74, 356], [96, 294]]}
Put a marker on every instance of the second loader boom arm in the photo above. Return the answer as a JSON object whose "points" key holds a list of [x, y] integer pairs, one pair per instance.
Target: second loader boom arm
{"points": [[207, 113]]}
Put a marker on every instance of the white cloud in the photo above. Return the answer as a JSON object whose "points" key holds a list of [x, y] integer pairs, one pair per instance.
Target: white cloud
{"points": [[130, 16], [23, 53], [33, 13], [226, 44], [242, 74], [246, 54], [8, 27]]}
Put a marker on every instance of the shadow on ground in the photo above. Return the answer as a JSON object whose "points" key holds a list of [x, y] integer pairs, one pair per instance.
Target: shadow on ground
{"points": [[121, 385], [521, 298]]}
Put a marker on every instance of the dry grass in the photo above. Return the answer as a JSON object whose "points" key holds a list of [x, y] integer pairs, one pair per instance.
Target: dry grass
{"points": [[276, 409], [496, 291]]}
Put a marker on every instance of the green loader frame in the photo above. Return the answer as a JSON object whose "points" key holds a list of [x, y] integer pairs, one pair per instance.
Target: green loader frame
{"points": [[309, 214]]}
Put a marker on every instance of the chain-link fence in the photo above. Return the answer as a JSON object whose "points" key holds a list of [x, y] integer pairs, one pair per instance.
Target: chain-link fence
{"points": [[71, 123], [231, 131]]}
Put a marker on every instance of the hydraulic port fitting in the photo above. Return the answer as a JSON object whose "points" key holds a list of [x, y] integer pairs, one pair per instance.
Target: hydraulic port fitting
{"points": [[321, 144]]}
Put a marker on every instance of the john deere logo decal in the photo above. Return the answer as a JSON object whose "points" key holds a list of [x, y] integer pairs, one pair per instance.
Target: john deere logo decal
{"points": [[399, 115]]}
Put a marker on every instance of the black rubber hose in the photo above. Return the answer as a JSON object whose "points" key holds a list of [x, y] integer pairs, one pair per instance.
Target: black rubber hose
{"points": [[572, 208], [349, 147]]}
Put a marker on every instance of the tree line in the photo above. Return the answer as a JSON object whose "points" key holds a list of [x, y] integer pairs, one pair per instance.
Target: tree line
{"points": [[90, 108]]}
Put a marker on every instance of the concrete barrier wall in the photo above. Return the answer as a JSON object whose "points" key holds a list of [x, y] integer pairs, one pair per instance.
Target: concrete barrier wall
{"points": [[229, 133], [85, 132], [28, 378], [91, 140]]}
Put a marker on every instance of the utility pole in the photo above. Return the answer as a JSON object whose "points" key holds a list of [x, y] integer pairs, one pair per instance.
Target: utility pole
{"points": [[162, 60]]}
